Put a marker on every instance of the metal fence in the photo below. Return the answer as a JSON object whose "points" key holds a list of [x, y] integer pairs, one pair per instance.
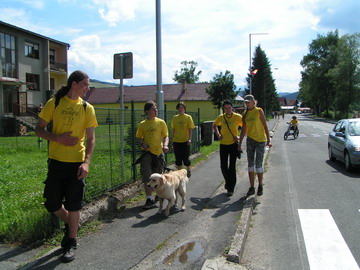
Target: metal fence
{"points": [[116, 149]]}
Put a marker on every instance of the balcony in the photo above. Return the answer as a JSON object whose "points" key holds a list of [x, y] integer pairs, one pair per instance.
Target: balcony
{"points": [[58, 67]]}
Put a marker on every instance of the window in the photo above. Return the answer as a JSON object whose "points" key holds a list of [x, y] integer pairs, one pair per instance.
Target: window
{"points": [[337, 126], [52, 84], [52, 56], [8, 55], [32, 81], [342, 127], [354, 128], [31, 50]]}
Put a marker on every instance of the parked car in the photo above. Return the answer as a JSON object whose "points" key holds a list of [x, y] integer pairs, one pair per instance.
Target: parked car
{"points": [[344, 142]]}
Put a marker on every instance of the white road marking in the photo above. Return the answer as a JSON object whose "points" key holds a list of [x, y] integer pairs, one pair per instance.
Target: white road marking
{"points": [[325, 246]]}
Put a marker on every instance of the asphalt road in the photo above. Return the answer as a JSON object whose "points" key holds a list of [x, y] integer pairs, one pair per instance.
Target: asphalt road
{"points": [[308, 217]]}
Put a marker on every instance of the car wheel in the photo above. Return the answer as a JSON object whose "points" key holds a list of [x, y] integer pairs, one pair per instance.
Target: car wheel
{"points": [[331, 155], [348, 165]]}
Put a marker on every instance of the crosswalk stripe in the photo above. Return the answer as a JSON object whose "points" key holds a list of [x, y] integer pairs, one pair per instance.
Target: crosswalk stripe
{"points": [[325, 246], [303, 135]]}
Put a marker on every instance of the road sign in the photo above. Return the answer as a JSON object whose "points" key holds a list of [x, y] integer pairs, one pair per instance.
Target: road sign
{"points": [[127, 65]]}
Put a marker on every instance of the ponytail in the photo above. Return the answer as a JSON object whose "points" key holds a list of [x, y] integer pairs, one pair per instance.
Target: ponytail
{"points": [[76, 76]]}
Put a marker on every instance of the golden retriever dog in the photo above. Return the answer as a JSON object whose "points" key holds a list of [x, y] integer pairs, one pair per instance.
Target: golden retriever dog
{"points": [[167, 186]]}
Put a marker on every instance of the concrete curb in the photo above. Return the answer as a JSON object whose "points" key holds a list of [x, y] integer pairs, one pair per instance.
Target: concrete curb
{"points": [[238, 244]]}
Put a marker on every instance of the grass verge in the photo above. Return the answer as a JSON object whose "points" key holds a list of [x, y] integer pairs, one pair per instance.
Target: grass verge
{"points": [[23, 218]]}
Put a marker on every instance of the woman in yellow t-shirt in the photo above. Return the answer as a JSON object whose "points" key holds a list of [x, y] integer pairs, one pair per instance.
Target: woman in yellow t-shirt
{"points": [[254, 126], [182, 125], [229, 136]]}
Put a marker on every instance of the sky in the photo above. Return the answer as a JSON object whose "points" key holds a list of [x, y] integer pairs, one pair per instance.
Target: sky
{"points": [[215, 34]]}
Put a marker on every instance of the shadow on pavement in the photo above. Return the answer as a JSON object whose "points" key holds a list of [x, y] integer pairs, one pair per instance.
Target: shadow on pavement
{"points": [[41, 263], [13, 253]]}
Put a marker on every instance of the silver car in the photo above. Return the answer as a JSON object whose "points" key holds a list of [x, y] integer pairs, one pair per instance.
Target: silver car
{"points": [[344, 142]]}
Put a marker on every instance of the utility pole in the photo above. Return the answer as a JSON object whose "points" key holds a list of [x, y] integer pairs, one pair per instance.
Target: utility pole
{"points": [[159, 92]]}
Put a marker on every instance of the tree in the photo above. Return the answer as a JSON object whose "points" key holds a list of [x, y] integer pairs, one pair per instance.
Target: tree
{"points": [[321, 58], [221, 88], [345, 76], [187, 73], [263, 84]]}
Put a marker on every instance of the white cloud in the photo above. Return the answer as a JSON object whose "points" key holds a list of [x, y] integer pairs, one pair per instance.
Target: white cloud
{"points": [[114, 11], [86, 52], [213, 33], [13, 16], [37, 4]]}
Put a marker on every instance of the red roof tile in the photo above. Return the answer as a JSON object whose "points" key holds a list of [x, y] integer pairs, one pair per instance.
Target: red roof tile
{"points": [[172, 92]]}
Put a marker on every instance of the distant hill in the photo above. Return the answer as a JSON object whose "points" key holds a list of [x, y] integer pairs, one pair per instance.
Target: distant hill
{"points": [[288, 95], [100, 84]]}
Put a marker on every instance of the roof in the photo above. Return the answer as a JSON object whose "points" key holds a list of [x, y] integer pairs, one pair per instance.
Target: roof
{"points": [[287, 102], [13, 81], [172, 92], [33, 33], [292, 102]]}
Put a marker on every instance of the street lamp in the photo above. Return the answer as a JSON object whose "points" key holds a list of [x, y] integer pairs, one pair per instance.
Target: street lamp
{"points": [[159, 92], [250, 88]]}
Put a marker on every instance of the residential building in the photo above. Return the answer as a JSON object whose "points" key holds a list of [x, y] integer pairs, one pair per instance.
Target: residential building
{"points": [[193, 95], [32, 67], [288, 104]]}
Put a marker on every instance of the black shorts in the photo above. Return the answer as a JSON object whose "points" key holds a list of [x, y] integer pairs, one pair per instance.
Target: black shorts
{"points": [[63, 187]]}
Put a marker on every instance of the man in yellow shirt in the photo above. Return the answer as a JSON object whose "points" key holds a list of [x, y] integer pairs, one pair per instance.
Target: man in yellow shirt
{"points": [[153, 138], [69, 154]]}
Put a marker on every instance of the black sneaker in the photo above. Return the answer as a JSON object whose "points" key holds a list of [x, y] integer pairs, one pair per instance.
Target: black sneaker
{"points": [[69, 250], [188, 174], [66, 236], [230, 193], [148, 204], [251, 191], [156, 199], [260, 190]]}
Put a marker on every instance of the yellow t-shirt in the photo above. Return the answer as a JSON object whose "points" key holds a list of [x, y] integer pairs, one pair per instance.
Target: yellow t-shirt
{"points": [[69, 116], [294, 122], [153, 132], [181, 124], [254, 128], [234, 122]]}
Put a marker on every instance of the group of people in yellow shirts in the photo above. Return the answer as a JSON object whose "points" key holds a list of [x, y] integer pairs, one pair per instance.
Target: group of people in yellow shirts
{"points": [[72, 142], [152, 135]]}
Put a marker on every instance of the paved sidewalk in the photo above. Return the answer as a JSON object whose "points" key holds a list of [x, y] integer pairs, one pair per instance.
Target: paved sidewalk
{"points": [[141, 239]]}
